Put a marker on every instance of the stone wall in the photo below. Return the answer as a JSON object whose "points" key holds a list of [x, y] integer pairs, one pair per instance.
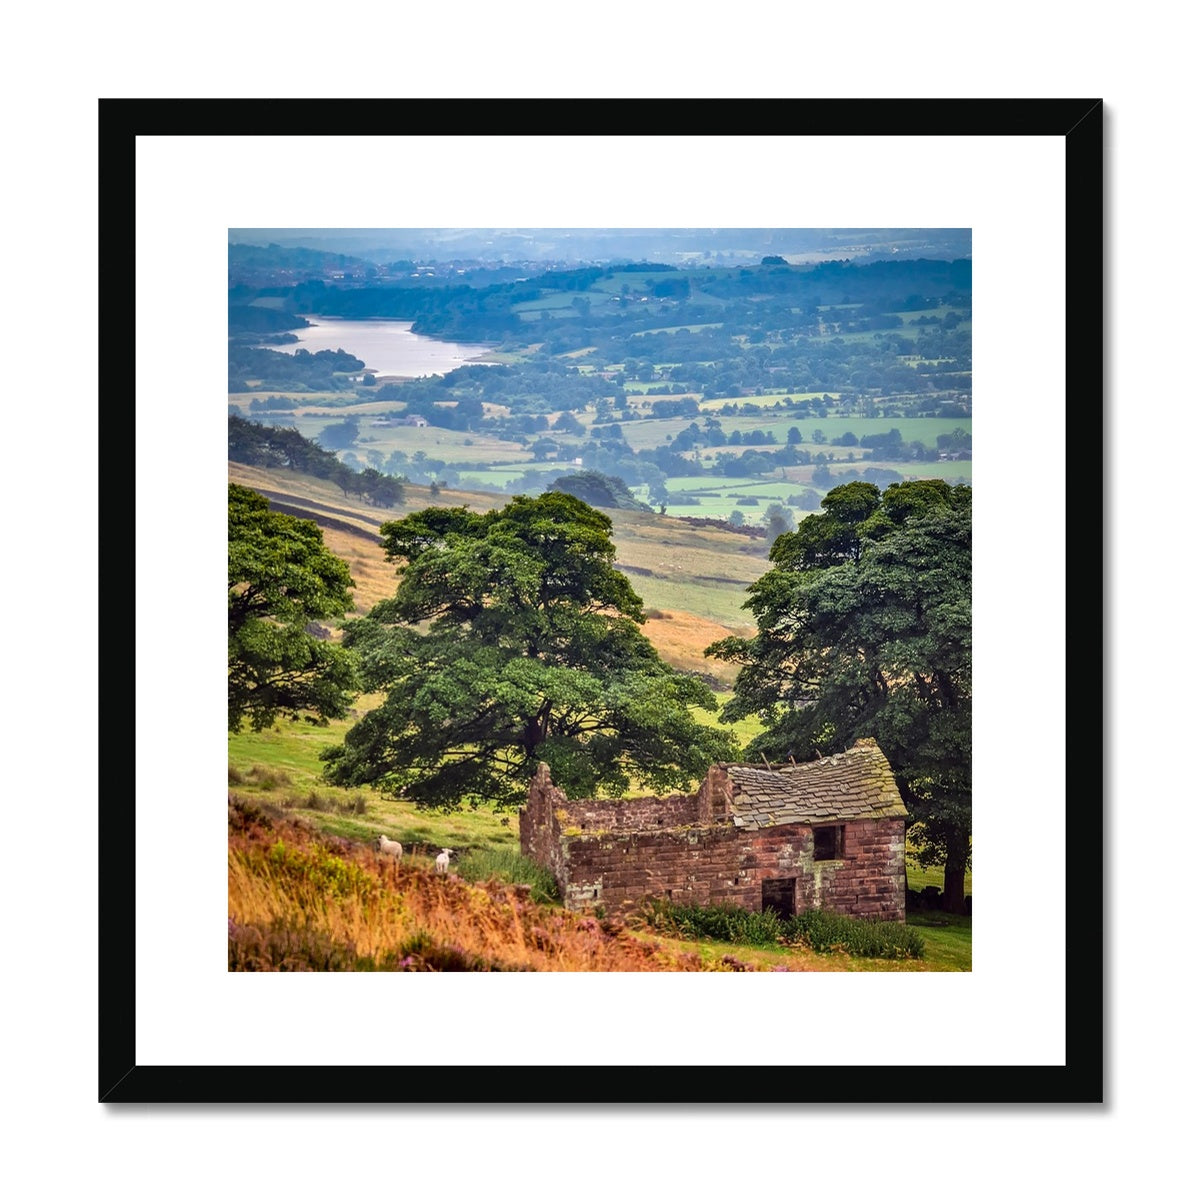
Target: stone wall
{"points": [[640, 812], [541, 833], [720, 864], [712, 801], [684, 849]]}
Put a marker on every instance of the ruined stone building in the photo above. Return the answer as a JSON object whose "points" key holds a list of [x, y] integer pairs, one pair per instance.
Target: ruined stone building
{"points": [[824, 834]]}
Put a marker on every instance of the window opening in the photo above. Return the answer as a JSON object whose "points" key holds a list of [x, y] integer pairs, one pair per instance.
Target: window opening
{"points": [[829, 842]]}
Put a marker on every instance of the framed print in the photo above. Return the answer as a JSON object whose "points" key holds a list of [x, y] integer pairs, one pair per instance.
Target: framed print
{"points": [[505, 360]]}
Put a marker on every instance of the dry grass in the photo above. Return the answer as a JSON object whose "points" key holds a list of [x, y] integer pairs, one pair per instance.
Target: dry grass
{"points": [[300, 901], [680, 638]]}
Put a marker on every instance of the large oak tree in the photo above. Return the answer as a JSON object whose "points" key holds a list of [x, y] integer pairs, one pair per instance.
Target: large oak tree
{"points": [[512, 638], [864, 630]]}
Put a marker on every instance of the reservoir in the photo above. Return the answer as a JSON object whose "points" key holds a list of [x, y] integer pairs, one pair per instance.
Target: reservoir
{"points": [[387, 347]]}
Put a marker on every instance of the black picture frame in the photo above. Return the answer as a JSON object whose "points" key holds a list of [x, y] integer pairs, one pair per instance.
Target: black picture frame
{"points": [[1078, 124]]}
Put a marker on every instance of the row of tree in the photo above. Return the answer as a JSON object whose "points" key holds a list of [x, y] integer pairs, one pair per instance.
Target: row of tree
{"points": [[275, 447]]}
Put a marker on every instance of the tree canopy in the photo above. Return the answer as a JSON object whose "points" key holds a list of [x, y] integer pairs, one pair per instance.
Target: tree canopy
{"points": [[864, 630], [513, 639], [596, 488], [281, 578]]}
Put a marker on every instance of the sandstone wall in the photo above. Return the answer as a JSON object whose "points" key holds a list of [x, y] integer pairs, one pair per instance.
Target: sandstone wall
{"points": [[684, 849]]}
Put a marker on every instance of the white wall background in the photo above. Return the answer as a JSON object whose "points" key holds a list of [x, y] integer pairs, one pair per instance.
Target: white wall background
{"points": [[61, 1141]]}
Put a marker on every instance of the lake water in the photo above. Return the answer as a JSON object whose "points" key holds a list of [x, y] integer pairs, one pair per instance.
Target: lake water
{"points": [[387, 347]]}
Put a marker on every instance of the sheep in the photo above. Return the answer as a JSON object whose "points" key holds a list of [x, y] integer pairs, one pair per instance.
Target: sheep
{"points": [[442, 862], [385, 845]]}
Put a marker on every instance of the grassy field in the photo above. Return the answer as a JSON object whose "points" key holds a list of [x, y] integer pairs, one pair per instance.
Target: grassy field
{"points": [[681, 568], [706, 500]]}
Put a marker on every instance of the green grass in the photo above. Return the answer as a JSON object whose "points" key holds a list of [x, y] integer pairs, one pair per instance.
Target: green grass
{"points": [[920, 878], [715, 602], [869, 335], [745, 729], [676, 328], [816, 929], [510, 866], [550, 301], [710, 406], [501, 476], [290, 751], [947, 939], [289, 747]]}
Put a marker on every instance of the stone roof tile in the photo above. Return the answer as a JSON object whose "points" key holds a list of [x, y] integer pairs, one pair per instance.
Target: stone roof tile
{"points": [[854, 785]]}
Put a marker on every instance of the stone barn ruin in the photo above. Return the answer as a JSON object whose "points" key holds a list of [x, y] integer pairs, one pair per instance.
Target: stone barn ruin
{"points": [[825, 834]]}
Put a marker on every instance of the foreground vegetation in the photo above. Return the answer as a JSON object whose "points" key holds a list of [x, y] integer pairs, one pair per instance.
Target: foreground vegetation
{"points": [[303, 900], [820, 931]]}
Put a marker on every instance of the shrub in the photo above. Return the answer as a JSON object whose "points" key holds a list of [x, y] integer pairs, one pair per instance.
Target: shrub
{"points": [[318, 866], [424, 953], [300, 901], [721, 922], [818, 930], [264, 778], [510, 866], [283, 947], [824, 931], [244, 816]]}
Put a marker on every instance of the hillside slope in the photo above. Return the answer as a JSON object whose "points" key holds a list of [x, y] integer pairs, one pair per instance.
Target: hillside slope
{"points": [[691, 579]]}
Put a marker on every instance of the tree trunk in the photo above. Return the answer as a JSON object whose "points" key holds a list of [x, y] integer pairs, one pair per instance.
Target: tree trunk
{"points": [[953, 895]]}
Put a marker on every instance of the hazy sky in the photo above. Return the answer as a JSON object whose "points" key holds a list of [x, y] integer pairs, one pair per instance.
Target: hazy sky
{"points": [[585, 245]]}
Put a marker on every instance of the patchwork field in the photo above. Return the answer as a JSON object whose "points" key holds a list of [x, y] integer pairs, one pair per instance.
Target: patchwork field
{"points": [[485, 461]]}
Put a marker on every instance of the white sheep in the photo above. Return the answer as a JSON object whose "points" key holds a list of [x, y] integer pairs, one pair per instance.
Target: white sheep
{"points": [[385, 845], [442, 862]]}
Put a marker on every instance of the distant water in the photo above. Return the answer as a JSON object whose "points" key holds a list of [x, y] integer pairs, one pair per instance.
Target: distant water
{"points": [[387, 347]]}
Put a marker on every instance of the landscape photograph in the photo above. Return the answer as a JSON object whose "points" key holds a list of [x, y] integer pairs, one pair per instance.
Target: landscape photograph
{"points": [[600, 600]]}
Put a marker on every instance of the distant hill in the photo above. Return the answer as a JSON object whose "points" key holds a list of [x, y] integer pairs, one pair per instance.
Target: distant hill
{"points": [[609, 245]]}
